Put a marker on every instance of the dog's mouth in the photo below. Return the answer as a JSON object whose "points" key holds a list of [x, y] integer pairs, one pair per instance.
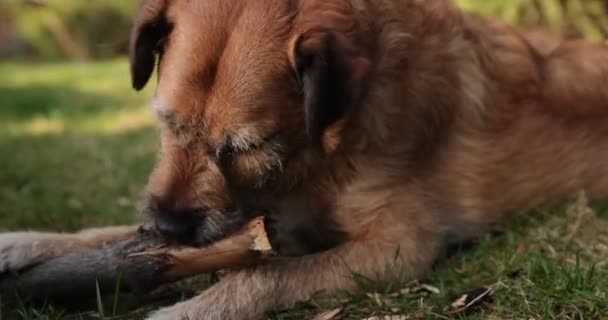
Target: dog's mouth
{"points": [[195, 227], [214, 227]]}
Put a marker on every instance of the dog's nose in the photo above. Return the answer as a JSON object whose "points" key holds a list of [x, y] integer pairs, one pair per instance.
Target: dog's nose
{"points": [[176, 223], [175, 232], [179, 227]]}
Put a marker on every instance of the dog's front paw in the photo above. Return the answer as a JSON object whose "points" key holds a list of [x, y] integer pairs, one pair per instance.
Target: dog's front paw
{"points": [[239, 296], [20, 250], [180, 311]]}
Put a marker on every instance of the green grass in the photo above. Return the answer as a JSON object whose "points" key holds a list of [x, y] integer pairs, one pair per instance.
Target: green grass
{"points": [[77, 145]]}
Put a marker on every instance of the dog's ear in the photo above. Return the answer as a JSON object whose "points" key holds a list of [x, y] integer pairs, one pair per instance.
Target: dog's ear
{"points": [[331, 75], [327, 62], [149, 31]]}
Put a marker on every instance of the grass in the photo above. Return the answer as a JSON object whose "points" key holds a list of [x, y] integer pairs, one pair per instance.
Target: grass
{"points": [[78, 144]]}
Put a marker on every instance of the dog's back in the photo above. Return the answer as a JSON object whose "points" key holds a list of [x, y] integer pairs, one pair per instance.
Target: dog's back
{"points": [[543, 136]]}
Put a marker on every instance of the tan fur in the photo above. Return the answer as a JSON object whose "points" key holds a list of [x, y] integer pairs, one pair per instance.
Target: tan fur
{"points": [[459, 122], [19, 250]]}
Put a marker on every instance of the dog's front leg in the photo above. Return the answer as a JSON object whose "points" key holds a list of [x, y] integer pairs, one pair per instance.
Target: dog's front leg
{"points": [[19, 250], [250, 294]]}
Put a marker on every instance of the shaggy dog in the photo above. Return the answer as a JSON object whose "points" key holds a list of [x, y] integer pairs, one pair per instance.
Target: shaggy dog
{"points": [[373, 133]]}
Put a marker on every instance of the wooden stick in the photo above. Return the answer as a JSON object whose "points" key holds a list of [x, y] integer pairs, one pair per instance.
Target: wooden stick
{"points": [[142, 263]]}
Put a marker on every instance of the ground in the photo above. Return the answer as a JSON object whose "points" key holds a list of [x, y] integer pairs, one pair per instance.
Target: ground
{"points": [[77, 145]]}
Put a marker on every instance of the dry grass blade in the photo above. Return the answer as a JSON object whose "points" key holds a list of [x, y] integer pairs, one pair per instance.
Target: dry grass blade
{"points": [[470, 299], [328, 315]]}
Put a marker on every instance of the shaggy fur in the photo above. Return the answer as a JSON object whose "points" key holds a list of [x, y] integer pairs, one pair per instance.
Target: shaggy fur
{"points": [[373, 133]]}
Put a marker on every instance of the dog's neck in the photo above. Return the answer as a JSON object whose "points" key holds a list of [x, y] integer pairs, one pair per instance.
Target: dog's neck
{"points": [[409, 99]]}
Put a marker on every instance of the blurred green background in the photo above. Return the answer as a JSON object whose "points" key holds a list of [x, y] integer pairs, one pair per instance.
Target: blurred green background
{"points": [[89, 30], [65, 29], [77, 144]]}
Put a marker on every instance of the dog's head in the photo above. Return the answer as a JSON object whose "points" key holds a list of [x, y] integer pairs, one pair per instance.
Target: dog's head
{"points": [[246, 90]]}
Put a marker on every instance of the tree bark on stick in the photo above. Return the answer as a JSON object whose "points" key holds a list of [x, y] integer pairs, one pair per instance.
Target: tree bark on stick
{"points": [[141, 264]]}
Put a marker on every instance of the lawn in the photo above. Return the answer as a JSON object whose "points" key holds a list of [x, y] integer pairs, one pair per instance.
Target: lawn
{"points": [[77, 145]]}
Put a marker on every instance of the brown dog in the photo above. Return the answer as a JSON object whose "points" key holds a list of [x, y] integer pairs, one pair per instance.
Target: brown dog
{"points": [[373, 132]]}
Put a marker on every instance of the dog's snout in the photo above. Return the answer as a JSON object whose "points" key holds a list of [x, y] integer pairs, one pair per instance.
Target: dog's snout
{"points": [[175, 224], [178, 229]]}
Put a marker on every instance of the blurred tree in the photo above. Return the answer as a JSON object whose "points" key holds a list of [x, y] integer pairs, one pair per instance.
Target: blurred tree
{"points": [[574, 18], [91, 29], [74, 29], [6, 23]]}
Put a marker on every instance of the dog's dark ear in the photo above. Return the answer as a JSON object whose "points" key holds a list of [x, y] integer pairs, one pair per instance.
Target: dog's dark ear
{"points": [[149, 31], [331, 75]]}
